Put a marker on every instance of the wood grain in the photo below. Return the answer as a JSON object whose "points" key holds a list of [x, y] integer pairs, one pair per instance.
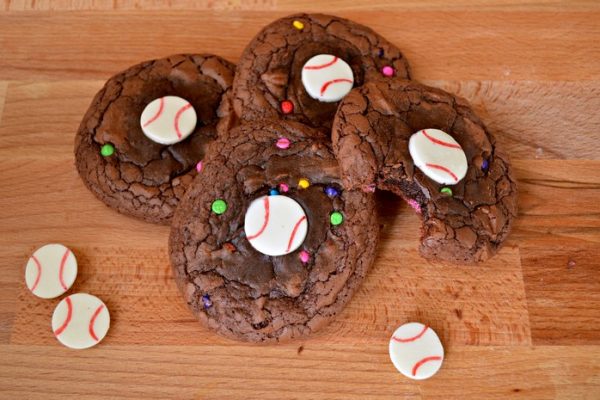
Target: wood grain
{"points": [[526, 324], [459, 45]]}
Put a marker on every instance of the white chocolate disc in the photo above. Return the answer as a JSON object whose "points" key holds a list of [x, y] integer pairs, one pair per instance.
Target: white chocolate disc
{"points": [[327, 78], [168, 120], [438, 155], [80, 321], [416, 351], [51, 271], [275, 225]]}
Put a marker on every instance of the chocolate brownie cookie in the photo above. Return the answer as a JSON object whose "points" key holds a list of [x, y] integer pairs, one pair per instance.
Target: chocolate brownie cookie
{"points": [[265, 245], [430, 148], [140, 142], [298, 67]]}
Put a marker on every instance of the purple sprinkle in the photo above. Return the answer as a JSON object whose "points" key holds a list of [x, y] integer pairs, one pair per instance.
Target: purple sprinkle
{"points": [[381, 52], [484, 165], [331, 191], [207, 301]]}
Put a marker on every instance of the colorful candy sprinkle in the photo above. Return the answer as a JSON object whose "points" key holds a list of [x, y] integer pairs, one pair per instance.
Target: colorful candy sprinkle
{"points": [[446, 190], [199, 166], [336, 218], [304, 256], [415, 205], [286, 106], [387, 71], [283, 143], [207, 301], [298, 25], [229, 247], [381, 52], [219, 206], [331, 192], [273, 192], [283, 187], [485, 165], [369, 188], [303, 183], [107, 150]]}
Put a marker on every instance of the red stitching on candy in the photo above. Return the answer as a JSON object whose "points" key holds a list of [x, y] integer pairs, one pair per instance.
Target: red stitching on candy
{"points": [[158, 113], [441, 168], [68, 319], [266, 221], [294, 232], [321, 66], [423, 361], [177, 116], [91, 327], [441, 142], [39, 274], [411, 339], [326, 84], [62, 269]]}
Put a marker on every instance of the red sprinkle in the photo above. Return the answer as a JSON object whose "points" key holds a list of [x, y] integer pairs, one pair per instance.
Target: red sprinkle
{"points": [[287, 107]]}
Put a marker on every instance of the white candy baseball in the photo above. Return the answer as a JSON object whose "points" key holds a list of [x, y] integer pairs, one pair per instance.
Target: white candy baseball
{"points": [[275, 225], [416, 351], [168, 120], [327, 78], [438, 155], [51, 271], [80, 321]]}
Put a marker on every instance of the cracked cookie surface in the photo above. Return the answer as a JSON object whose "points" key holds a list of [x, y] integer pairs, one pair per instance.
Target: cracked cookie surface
{"points": [[465, 224], [269, 71], [246, 295], [143, 178]]}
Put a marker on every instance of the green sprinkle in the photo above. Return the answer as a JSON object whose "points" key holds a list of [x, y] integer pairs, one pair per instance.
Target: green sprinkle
{"points": [[446, 190], [336, 218], [107, 150], [219, 206]]}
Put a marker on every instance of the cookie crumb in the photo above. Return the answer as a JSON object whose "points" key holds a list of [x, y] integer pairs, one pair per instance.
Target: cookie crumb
{"points": [[300, 349]]}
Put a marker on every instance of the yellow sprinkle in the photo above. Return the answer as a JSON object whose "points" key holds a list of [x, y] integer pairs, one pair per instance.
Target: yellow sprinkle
{"points": [[303, 183], [298, 25]]}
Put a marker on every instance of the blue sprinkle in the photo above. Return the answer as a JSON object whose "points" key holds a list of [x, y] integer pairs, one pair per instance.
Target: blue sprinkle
{"points": [[331, 191], [380, 52], [207, 301], [484, 165], [273, 192]]}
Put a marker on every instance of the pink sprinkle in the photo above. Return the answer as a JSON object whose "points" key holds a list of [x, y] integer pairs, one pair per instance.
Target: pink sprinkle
{"points": [[415, 205], [369, 188], [199, 166], [283, 187], [304, 256], [387, 71], [283, 143]]}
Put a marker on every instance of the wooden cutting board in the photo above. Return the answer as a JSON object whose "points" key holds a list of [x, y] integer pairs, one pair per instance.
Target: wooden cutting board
{"points": [[526, 324]]}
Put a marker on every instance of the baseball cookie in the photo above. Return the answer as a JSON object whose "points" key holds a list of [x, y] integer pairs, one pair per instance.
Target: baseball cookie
{"points": [[265, 245], [142, 139], [431, 149], [299, 67], [51, 271], [80, 321]]}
